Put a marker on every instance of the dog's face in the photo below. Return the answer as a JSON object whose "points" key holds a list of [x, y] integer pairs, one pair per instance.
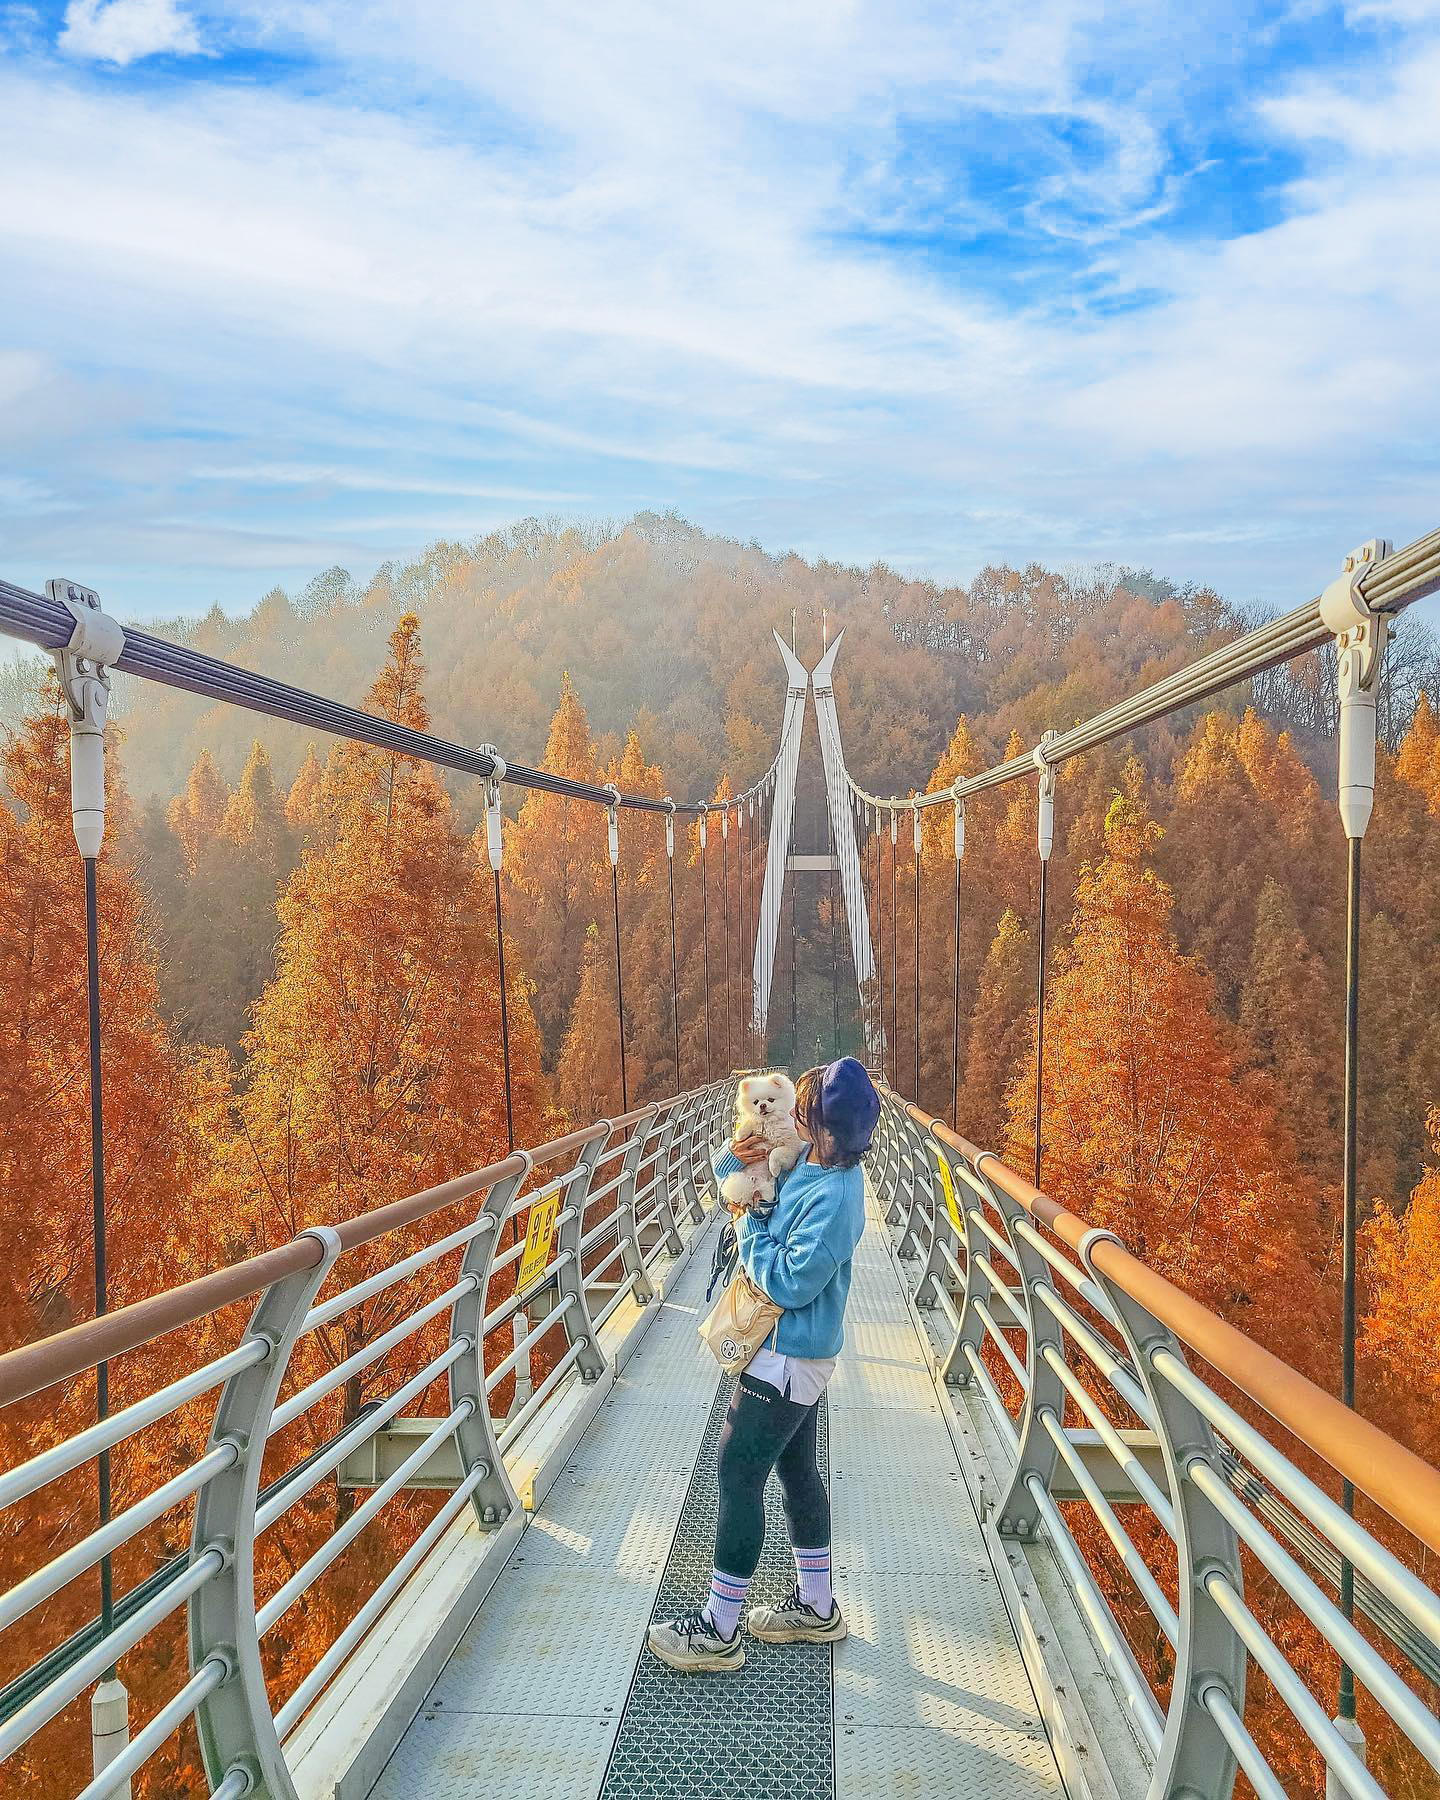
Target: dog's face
{"points": [[767, 1096]]}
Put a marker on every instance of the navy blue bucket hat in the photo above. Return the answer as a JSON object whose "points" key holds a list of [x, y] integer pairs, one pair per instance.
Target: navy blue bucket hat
{"points": [[849, 1105]]}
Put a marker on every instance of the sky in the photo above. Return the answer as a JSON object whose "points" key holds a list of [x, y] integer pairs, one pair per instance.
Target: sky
{"points": [[291, 283]]}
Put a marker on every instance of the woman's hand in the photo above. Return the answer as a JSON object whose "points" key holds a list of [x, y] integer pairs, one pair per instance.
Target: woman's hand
{"points": [[751, 1150]]}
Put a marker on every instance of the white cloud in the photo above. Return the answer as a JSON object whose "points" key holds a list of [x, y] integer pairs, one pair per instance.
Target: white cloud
{"points": [[614, 254], [122, 31]]}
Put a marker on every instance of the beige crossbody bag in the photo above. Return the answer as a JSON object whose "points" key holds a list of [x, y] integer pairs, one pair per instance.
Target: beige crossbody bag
{"points": [[739, 1323]]}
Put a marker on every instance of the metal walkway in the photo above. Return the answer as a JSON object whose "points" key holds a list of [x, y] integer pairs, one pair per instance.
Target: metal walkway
{"points": [[551, 1694]]}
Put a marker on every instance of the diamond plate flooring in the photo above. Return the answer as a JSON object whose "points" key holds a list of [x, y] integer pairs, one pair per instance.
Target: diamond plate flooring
{"points": [[550, 1695]]}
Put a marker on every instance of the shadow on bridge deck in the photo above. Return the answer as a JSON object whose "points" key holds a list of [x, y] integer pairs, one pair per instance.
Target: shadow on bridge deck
{"points": [[550, 1692]]}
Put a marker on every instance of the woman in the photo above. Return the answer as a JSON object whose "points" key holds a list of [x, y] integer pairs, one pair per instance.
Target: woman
{"points": [[800, 1256]]}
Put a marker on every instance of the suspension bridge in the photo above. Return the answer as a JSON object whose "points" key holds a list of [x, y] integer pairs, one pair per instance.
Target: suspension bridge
{"points": [[1032, 1436]]}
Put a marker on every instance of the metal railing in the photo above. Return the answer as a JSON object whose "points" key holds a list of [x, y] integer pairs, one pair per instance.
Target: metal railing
{"points": [[281, 1378], [1101, 1384]]}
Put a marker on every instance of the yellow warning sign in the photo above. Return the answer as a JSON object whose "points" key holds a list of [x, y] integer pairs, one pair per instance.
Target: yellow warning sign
{"points": [[539, 1236], [947, 1182]]}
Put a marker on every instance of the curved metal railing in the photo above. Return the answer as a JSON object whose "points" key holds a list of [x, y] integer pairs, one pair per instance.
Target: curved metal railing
{"points": [[605, 1207], [1076, 1353]]}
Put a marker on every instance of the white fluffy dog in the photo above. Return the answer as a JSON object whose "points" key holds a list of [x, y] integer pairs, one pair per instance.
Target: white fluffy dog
{"points": [[764, 1109]]}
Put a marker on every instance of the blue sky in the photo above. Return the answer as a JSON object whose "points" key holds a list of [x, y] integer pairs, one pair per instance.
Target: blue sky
{"points": [[297, 282]]}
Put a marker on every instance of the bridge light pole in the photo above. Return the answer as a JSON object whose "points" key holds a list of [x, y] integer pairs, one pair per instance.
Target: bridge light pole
{"points": [[1360, 639], [1045, 838]]}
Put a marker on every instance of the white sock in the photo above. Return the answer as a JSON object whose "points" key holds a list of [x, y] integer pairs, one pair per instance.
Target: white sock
{"points": [[727, 1596], [812, 1577]]}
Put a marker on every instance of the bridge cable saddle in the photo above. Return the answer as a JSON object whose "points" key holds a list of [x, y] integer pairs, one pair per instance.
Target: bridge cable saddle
{"points": [[84, 666], [614, 817], [493, 836], [1045, 819], [1360, 639]]}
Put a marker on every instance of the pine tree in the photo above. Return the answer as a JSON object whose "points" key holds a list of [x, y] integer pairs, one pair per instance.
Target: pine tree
{"points": [[163, 1115], [373, 1065], [1001, 1033], [304, 807], [221, 932], [196, 815], [1402, 1322], [1152, 1125], [1418, 761], [556, 872], [1289, 1021]]}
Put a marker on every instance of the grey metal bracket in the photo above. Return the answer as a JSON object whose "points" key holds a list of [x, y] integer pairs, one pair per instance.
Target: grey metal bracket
{"points": [[235, 1724], [570, 1278], [1038, 1453], [662, 1190], [921, 1193], [495, 1498], [631, 1254], [933, 1275], [1194, 1758], [955, 1369]]}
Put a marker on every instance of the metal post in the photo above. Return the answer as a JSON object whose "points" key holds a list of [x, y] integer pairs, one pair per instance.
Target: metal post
{"points": [[570, 1279], [674, 966], [893, 958], [955, 1001], [614, 819], [236, 1727], [1360, 640], [705, 944], [834, 940], [725, 919], [631, 1254], [665, 1215], [98, 1223], [1045, 832], [794, 991], [494, 853], [916, 817], [1194, 1757], [877, 998], [494, 1499]]}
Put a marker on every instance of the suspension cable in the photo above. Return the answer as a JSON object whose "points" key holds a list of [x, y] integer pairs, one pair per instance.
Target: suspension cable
{"points": [[674, 966], [705, 944], [893, 956], [955, 995], [1387, 587], [917, 953], [97, 1195], [614, 823]]}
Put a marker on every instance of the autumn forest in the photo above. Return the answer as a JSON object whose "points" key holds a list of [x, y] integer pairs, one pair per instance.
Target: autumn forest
{"points": [[301, 995]]}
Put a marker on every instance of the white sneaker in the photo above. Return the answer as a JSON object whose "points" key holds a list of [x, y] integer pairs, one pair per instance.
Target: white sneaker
{"points": [[793, 1622], [692, 1645]]}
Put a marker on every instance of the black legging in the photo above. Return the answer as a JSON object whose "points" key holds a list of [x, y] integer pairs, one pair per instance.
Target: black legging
{"points": [[765, 1431]]}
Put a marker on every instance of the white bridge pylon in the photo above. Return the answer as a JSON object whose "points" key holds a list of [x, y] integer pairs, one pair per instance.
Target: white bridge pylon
{"points": [[778, 859]]}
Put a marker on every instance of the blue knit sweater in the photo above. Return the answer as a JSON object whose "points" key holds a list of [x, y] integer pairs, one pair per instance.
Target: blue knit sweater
{"points": [[800, 1254]]}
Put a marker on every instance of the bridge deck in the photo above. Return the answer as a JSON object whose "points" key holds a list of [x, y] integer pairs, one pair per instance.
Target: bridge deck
{"points": [[552, 1694]]}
